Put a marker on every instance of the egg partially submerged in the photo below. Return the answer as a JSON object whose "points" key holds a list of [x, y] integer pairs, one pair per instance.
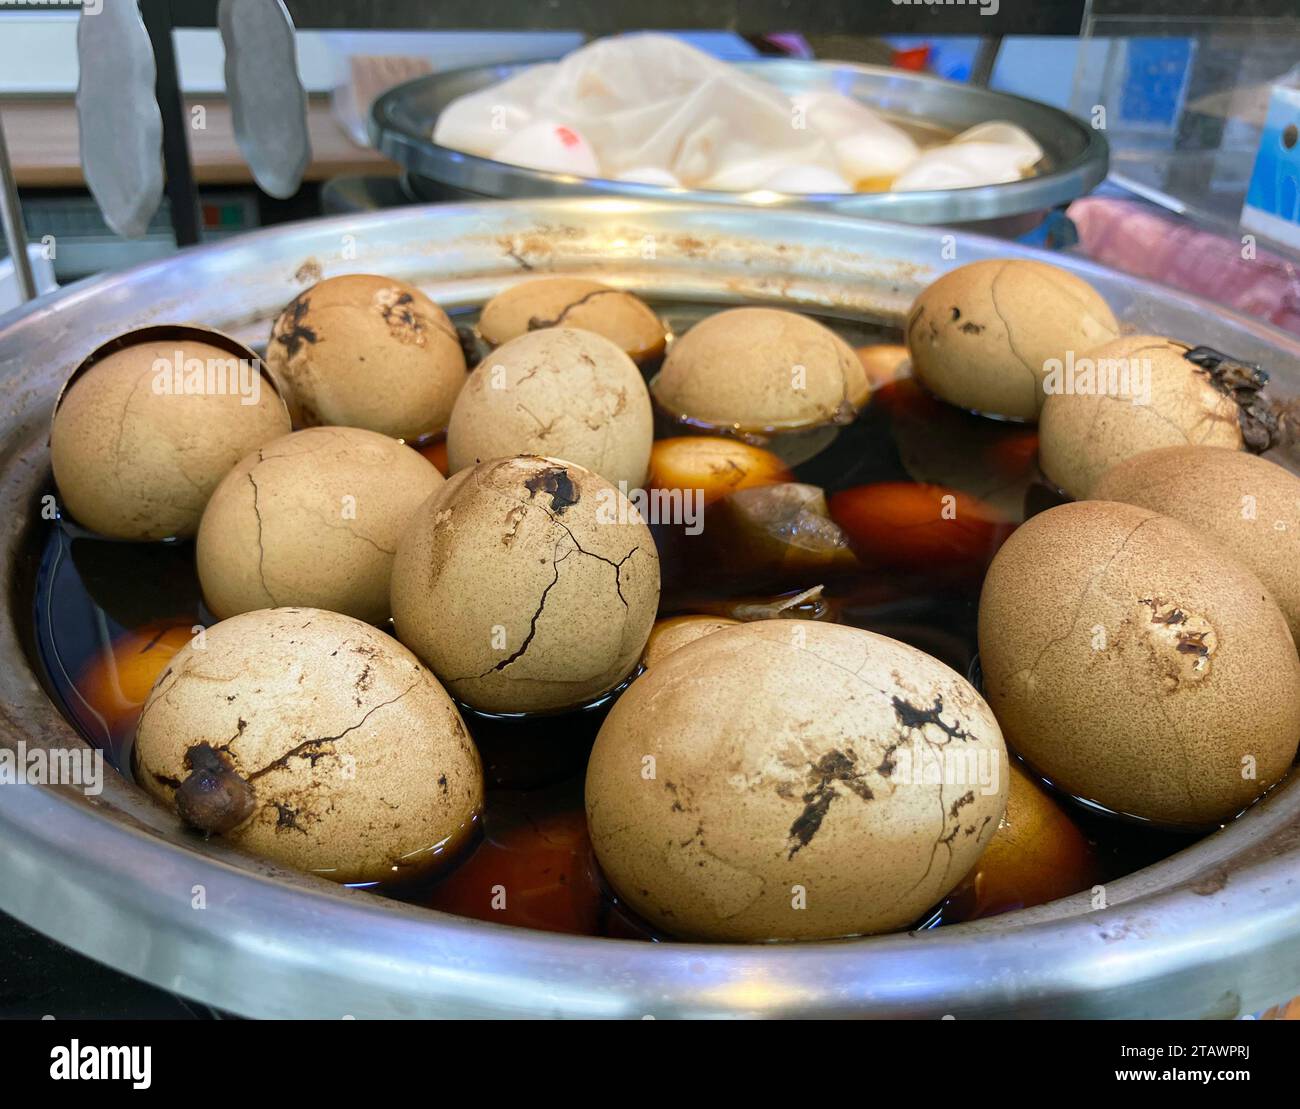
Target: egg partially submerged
{"points": [[793, 780]]}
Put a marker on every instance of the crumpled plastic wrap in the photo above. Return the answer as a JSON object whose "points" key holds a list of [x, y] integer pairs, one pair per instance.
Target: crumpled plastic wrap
{"points": [[652, 109]]}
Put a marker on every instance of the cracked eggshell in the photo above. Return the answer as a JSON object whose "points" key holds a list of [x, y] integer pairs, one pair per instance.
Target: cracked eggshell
{"points": [[360, 766], [1247, 505], [365, 351], [621, 317], [526, 584], [788, 757], [1136, 666], [561, 392], [1084, 434], [981, 334], [133, 462], [761, 369], [311, 519]]}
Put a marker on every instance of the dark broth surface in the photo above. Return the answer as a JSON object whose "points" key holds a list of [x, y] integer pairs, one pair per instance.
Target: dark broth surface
{"points": [[531, 863]]}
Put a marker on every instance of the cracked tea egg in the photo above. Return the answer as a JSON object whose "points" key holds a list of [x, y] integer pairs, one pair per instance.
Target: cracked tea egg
{"points": [[1138, 666], [365, 351], [621, 317], [144, 431], [562, 392], [314, 740], [1146, 393], [982, 335], [793, 780], [311, 519], [761, 369], [526, 584]]}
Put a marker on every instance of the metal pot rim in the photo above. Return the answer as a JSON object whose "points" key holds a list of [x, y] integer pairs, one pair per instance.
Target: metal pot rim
{"points": [[1214, 930]]}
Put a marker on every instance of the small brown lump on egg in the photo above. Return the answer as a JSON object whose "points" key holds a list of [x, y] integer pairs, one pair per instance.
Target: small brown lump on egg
{"points": [[621, 317], [1146, 394], [1137, 666], [761, 369], [312, 519], [793, 780], [560, 392], [676, 631], [526, 584], [314, 740], [365, 351], [138, 447], [1247, 505], [981, 336]]}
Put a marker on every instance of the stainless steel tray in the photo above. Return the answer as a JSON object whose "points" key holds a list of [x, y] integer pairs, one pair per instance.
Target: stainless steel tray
{"points": [[1212, 931], [1075, 155]]}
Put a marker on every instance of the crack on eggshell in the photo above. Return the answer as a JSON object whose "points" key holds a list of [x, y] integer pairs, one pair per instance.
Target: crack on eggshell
{"points": [[834, 766]]}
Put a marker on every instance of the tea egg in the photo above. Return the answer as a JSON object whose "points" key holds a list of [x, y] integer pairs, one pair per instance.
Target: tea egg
{"points": [[1169, 401], [561, 391], [793, 780], [676, 631], [137, 447], [312, 519], [526, 584], [365, 351], [1247, 505], [757, 369], [621, 317], [982, 336], [1137, 666], [314, 740]]}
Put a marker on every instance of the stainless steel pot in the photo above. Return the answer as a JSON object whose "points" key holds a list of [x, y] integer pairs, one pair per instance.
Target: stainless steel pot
{"points": [[1075, 155], [1212, 931]]}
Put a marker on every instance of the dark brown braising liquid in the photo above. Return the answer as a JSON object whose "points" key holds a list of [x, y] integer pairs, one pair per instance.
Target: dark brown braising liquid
{"points": [[531, 864]]}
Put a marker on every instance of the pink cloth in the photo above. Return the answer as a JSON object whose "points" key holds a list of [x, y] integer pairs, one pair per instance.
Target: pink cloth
{"points": [[1133, 238]]}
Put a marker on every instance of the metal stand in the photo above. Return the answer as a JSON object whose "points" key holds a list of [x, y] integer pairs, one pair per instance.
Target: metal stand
{"points": [[11, 218]]}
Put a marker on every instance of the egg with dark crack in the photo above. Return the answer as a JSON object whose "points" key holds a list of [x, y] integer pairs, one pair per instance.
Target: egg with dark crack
{"points": [[526, 584], [621, 317], [360, 350], [793, 780], [1137, 666], [314, 740]]}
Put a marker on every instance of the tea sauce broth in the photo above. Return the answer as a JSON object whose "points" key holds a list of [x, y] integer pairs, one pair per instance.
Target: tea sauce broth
{"points": [[924, 491]]}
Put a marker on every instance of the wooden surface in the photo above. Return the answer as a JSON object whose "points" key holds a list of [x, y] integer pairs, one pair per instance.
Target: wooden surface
{"points": [[43, 144]]}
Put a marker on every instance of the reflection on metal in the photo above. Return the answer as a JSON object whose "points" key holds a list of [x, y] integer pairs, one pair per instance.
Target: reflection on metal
{"points": [[121, 130], [267, 99], [11, 221]]}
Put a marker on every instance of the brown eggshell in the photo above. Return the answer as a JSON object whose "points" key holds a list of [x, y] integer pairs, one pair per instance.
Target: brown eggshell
{"points": [[1082, 435], [359, 763], [134, 461], [312, 519], [621, 317], [770, 781], [981, 334], [1245, 504], [562, 392], [676, 631], [527, 584], [1137, 666], [365, 351], [761, 369]]}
